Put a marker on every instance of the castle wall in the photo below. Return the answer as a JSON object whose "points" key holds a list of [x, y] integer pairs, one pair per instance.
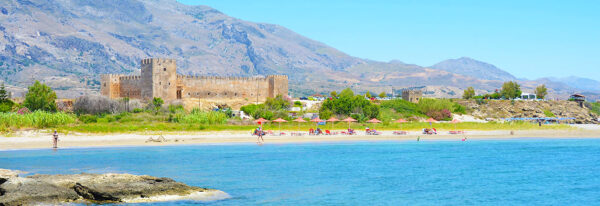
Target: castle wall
{"points": [[131, 86], [225, 88]]}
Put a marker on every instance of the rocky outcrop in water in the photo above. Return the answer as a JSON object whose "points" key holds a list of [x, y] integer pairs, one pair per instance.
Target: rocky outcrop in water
{"points": [[93, 188]]}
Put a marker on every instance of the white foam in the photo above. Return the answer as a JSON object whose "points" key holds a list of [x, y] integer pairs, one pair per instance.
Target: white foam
{"points": [[208, 196]]}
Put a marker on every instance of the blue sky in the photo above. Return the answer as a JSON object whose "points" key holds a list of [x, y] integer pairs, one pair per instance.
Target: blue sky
{"points": [[529, 39]]}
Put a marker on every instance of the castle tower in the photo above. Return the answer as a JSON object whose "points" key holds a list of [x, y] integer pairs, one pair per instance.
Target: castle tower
{"points": [[110, 85], [159, 78], [278, 85]]}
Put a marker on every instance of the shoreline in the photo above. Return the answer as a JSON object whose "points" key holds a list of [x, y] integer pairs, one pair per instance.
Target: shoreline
{"points": [[41, 140]]}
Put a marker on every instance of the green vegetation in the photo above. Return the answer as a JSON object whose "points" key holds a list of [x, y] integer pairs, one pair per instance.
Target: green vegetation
{"points": [[201, 117], [594, 107], [541, 91], [511, 90], [405, 109], [469, 93], [382, 95], [548, 113], [37, 119], [40, 97], [348, 104], [6, 105], [439, 109], [272, 109]]}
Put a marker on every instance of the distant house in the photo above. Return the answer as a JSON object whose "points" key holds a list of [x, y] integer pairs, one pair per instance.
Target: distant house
{"points": [[528, 96], [579, 98]]}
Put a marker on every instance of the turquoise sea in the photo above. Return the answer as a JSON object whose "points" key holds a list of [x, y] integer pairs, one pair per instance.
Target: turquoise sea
{"points": [[475, 172]]}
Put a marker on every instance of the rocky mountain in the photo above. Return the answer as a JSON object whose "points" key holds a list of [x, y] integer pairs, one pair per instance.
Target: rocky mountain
{"points": [[68, 43], [579, 83], [473, 68]]}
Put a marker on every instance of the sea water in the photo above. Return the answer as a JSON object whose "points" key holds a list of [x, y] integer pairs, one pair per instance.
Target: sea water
{"points": [[474, 172]]}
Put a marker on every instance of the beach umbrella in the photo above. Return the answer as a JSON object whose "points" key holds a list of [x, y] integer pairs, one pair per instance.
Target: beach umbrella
{"points": [[299, 120], [317, 120], [455, 121], [349, 120], [431, 120], [374, 121], [261, 121], [279, 120], [400, 121], [332, 120]]}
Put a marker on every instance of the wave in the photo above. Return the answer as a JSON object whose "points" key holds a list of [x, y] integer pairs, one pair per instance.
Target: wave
{"points": [[206, 196]]}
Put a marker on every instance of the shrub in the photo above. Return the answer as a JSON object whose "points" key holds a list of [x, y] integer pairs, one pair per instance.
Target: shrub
{"points": [[405, 108], [6, 106], [138, 110], [347, 103], [439, 109], [157, 102], [97, 105], [40, 97], [594, 107], [548, 113], [87, 118]]}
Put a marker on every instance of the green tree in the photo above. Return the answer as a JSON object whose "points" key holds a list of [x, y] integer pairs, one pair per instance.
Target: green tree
{"points": [[541, 91], [382, 95], [3, 94], [368, 95], [333, 94], [469, 93], [511, 90], [40, 97], [157, 102], [277, 103], [348, 104]]}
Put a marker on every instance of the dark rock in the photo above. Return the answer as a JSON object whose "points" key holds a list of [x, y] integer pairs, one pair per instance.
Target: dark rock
{"points": [[88, 188]]}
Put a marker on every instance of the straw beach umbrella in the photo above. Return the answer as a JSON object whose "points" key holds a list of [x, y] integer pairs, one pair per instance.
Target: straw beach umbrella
{"points": [[279, 120], [349, 120], [261, 121], [400, 121], [455, 121], [431, 120], [299, 120], [317, 120], [332, 120], [374, 121]]}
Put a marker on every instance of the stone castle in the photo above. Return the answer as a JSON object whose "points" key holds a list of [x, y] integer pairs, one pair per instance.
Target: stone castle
{"points": [[159, 78]]}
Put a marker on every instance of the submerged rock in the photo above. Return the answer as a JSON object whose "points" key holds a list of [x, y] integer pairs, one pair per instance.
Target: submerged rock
{"points": [[96, 188]]}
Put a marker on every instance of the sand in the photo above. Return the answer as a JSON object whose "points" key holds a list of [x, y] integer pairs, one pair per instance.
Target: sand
{"points": [[43, 139]]}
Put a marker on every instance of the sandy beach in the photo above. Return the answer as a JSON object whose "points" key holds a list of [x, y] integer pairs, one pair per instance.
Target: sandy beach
{"points": [[42, 139]]}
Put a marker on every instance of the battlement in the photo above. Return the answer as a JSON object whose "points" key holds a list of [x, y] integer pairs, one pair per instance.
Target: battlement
{"points": [[157, 60], [190, 77], [131, 77], [111, 75]]}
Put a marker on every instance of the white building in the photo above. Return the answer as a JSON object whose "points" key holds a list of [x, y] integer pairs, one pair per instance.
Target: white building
{"points": [[528, 96]]}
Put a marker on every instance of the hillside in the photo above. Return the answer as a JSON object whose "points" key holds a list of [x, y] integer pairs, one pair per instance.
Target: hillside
{"points": [[473, 68], [68, 43]]}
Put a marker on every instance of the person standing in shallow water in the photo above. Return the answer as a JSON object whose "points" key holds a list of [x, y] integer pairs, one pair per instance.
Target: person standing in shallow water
{"points": [[55, 140]]}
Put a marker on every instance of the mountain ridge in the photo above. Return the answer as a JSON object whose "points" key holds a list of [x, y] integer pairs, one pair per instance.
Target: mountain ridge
{"points": [[67, 44]]}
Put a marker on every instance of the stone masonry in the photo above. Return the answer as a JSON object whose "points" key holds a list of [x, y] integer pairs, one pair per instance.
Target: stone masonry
{"points": [[159, 78]]}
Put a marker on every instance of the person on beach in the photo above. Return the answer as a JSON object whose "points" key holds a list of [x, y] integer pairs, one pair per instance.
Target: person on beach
{"points": [[55, 140], [260, 134]]}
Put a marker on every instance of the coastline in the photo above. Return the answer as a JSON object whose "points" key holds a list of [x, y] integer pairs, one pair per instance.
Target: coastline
{"points": [[43, 140]]}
